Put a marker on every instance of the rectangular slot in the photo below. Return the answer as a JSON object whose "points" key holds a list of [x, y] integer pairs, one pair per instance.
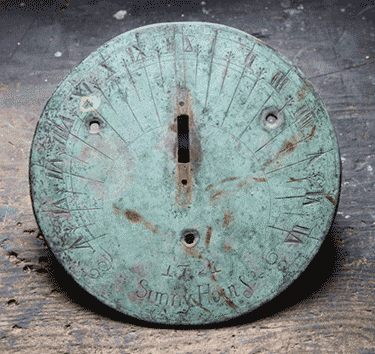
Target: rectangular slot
{"points": [[183, 139]]}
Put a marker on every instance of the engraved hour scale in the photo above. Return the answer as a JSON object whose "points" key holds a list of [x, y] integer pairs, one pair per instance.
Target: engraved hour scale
{"points": [[185, 173]]}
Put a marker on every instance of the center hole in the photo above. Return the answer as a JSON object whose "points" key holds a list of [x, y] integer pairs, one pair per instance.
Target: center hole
{"points": [[184, 181], [189, 238]]}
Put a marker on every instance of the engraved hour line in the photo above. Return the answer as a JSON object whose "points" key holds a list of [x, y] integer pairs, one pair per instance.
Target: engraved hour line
{"points": [[197, 50], [69, 210], [131, 78], [68, 173], [247, 64], [212, 51], [152, 95], [75, 158], [183, 53], [316, 156], [80, 140], [299, 214], [175, 56], [230, 57], [309, 197], [105, 66], [125, 96], [255, 83], [96, 85], [239, 137], [161, 71], [280, 80]]}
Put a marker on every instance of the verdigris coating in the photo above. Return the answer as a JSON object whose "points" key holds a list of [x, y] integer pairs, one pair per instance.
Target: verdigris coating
{"points": [[185, 173]]}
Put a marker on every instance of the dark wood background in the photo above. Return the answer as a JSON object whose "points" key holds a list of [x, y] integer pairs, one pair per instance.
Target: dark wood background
{"points": [[328, 309]]}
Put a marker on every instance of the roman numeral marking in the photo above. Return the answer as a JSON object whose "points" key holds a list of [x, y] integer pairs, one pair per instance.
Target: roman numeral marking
{"points": [[249, 60], [82, 90], [312, 197], [279, 81], [294, 236], [61, 204], [104, 65], [187, 45], [304, 117], [140, 52], [55, 169], [80, 243], [170, 44]]}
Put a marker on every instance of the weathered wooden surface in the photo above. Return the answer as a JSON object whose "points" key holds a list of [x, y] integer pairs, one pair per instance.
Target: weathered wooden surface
{"points": [[329, 309]]}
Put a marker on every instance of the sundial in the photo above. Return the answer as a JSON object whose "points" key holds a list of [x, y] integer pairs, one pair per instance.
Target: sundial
{"points": [[185, 173]]}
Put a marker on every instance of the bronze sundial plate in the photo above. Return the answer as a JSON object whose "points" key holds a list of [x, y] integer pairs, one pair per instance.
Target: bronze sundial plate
{"points": [[185, 173]]}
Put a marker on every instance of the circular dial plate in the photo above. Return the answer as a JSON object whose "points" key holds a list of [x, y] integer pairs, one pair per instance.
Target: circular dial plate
{"points": [[185, 173]]}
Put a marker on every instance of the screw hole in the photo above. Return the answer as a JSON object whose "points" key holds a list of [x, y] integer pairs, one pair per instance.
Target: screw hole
{"points": [[184, 181], [271, 119], [189, 239], [181, 103], [94, 127]]}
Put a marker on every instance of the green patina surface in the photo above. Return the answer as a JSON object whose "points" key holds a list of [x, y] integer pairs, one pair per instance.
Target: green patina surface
{"points": [[192, 242]]}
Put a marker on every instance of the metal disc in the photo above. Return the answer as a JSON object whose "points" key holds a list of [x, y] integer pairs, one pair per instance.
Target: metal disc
{"points": [[185, 173]]}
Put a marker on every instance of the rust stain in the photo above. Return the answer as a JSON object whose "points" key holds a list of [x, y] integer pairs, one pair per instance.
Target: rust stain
{"points": [[222, 181], [227, 247], [208, 236], [192, 252], [228, 217], [262, 179], [173, 128], [312, 132], [151, 227], [288, 147], [216, 194], [228, 301], [213, 277], [116, 209], [134, 298], [295, 180], [267, 162], [228, 179], [331, 199], [133, 216], [302, 92]]}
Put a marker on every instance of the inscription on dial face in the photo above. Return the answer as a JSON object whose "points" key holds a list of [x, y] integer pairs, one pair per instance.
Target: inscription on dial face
{"points": [[185, 173]]}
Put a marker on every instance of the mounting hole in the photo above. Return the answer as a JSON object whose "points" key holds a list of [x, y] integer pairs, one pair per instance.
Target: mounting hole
{"points": [[94, 127], [271, 119], [181, 103], [189, 237], [184, 181]]}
